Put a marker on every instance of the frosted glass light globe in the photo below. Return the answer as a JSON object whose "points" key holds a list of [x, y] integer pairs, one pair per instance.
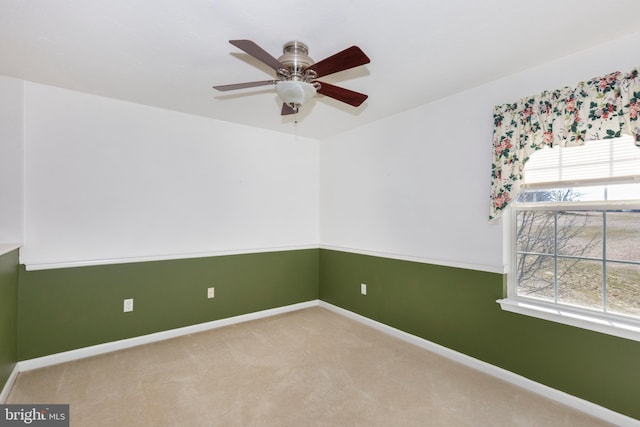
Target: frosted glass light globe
{"points": [[295, 92]]}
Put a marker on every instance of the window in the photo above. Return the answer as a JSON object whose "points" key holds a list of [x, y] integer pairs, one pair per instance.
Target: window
{"points": [[575, 238]]}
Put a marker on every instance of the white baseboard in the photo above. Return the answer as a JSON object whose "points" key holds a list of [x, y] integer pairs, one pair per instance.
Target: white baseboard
{"points": [[4, 394], [489, 369], [94, 350]]}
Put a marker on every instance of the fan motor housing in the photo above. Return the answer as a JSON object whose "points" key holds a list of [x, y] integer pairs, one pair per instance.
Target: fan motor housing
{"points": [[296, 58]]}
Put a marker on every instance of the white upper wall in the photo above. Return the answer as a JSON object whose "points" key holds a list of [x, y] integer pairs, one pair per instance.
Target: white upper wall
{"points": [[416, 185], [111, 180], [108, 181], [11, 160]]}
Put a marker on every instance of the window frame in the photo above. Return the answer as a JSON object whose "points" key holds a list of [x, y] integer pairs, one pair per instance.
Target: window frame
{"points": [[603, 322]]}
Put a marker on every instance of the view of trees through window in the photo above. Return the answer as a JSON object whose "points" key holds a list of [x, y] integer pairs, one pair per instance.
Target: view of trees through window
{"points": [[579, 255]]}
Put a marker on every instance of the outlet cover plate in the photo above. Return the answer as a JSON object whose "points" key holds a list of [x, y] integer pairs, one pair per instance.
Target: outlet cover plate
{"points": [[128, 305], [363, 288], [211, 292]]}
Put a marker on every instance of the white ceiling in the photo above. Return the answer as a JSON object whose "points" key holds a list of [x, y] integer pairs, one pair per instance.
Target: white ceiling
{"points": [[169, 53]]}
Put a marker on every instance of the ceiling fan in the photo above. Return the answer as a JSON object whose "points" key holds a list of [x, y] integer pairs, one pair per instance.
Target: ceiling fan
{"points": [[296, 74]]}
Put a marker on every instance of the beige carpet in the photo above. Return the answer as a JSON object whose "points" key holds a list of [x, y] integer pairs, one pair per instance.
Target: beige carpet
{"points": [[307, 368]]}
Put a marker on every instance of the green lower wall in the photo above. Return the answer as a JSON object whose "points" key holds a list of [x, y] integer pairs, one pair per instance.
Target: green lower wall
{"points": [[457, 308], [70, 308], [66, 309], [8, 315]]}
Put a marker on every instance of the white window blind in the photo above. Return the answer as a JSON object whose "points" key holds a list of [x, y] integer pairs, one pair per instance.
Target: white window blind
{"points": [[615, 160]]}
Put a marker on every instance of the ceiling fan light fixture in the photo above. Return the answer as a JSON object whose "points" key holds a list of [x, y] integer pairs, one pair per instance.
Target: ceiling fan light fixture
{"points": [[297, 74], [294, 92]]}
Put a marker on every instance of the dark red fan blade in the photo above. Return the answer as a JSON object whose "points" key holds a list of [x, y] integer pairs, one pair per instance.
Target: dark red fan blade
{"points": [[224, 88], [341, 94], [286, 109], [348, 58], [257, 52]]}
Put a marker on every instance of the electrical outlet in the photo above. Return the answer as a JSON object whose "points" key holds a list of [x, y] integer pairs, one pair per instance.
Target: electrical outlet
{"points": [[211, 292], [363, 288], [128, 305]]}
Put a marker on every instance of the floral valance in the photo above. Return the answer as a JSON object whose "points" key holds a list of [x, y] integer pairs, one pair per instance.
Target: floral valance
{"points": [[601, 108]]}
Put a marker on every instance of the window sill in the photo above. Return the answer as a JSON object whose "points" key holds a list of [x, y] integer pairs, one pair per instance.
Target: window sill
{"points": [[598, 322]]}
